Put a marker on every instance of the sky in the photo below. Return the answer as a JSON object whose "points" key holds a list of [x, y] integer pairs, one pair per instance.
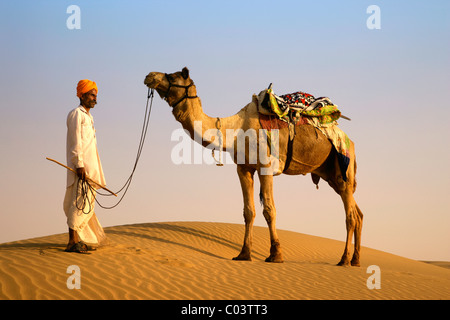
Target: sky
{"points": [[393, 82]]}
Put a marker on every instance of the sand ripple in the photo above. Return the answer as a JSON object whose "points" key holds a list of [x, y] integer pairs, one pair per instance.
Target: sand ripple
{"points": [[192, 260]]}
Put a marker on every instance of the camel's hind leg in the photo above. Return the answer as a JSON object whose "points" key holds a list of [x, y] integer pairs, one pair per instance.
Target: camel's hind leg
{"points": [[331, 172], [353, 221], [358, 230], [353, 215]]}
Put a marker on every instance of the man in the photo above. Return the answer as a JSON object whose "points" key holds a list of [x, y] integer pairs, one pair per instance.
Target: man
{"points": [[82, 156]]}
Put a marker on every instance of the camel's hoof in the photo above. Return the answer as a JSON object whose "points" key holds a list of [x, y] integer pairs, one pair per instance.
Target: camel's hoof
{"points": [[244, 255], [346, 263], [275, 253], [355, 263], [275, 259], [343, 263], [242, 258]]}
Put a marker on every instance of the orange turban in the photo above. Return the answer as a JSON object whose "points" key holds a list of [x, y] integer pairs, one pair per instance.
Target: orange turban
{"points": [[85, 86]]}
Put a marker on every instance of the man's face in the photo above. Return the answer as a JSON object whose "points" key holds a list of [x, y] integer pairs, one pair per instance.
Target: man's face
{"points": [[89, 99]]}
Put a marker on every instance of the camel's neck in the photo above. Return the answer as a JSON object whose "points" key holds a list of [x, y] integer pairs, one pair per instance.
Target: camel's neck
{"points": [[205, 129]]}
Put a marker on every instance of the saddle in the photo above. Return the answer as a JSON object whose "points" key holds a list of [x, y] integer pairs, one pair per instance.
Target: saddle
{"points": [[295, 107], [300, 108]]}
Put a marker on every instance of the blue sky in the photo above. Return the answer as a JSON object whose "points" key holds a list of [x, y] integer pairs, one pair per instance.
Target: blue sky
{"points": [[392, 82]]}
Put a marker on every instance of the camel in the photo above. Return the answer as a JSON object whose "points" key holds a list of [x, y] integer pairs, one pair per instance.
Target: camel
{"points": [[311, 152]]}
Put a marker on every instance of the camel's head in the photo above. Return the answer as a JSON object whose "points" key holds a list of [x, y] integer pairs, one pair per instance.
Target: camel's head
{"points": [[172, 87]]}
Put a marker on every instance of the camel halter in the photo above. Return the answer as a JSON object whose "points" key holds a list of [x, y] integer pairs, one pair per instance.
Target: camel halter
{"points": [[186, 94]]}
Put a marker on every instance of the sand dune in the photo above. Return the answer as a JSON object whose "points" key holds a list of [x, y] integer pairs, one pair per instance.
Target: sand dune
{"points": [[192, 260]]}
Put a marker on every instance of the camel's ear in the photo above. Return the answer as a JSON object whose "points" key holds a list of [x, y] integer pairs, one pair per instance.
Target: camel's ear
{"points": [[185, 73]]}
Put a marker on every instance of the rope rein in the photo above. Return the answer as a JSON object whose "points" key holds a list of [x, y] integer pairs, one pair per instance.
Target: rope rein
{"points": [[85, 186], [219, 162]]}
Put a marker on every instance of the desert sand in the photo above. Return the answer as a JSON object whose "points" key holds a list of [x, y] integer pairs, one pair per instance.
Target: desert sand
{"points": [[192, 260]]}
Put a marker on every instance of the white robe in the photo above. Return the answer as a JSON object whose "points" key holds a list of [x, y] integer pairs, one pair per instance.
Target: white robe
{"points": [[81, 150], [81, 216], [81, 146]]}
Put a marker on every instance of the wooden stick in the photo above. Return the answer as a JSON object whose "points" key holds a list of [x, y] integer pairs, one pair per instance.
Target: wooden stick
{"points": [[68, 168]]}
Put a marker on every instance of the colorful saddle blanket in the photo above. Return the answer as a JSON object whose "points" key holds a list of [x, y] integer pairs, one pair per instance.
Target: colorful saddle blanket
{"points": [[302, 108], [291, 107]]}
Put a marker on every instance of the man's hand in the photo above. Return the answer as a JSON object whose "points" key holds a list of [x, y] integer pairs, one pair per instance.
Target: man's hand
{"points": [[81, 173]]}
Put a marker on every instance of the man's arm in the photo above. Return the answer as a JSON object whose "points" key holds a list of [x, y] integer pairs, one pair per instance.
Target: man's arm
{"points": [[74, 143]]}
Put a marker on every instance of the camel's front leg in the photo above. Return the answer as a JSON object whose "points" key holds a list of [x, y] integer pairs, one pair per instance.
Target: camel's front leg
{"points": [[246, 179], [270, 216]]}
